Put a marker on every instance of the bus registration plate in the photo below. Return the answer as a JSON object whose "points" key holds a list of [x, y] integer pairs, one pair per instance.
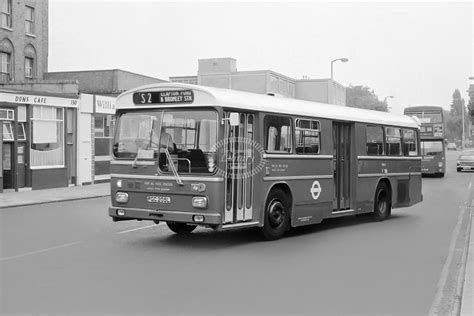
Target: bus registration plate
{"points": [[158, 199]]}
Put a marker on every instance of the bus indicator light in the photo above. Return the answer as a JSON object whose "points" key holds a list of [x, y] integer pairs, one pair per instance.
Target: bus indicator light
{"points": [[119, 183], [198, 187], [120, 212], [198, 218]]}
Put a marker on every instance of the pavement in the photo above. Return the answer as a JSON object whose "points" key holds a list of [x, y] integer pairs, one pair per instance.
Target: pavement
{"points": [[11, 199]]}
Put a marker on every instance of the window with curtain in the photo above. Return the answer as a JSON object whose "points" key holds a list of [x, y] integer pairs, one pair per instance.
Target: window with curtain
{"points": [[47, 136], [29, 62], [5, 63]]}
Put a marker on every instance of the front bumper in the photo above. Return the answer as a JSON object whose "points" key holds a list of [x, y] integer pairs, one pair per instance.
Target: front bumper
{"points": [[166, 216], [465, 167]]}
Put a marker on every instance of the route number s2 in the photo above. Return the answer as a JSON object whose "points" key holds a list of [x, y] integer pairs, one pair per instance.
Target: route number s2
{"points": [[145, 98]]}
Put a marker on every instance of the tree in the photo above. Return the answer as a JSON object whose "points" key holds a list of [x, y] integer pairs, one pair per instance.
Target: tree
{"points": [[364, 98], [454, 118]]}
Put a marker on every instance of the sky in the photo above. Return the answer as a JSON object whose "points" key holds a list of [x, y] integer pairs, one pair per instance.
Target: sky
{"points": [[419, 53]]}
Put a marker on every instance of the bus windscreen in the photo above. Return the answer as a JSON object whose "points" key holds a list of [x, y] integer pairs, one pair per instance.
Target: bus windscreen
{"points": [[431, 148]]}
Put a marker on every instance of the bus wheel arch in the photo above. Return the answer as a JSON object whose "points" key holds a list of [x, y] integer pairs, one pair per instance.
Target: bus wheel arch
{"points": [[382, 200], [277, 211]]}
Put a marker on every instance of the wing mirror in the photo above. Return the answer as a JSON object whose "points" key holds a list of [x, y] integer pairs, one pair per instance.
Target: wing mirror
{"points": [[234, 119]]}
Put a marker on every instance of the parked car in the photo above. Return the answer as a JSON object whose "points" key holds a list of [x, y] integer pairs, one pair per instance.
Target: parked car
{"points": [[452, 146], [465, 161]]}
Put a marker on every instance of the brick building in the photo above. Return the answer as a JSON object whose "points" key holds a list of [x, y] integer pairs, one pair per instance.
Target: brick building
{"points": [[36, 116], [23, 40], [56, 128]]}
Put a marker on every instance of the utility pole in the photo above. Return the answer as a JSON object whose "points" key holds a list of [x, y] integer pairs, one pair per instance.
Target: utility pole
{"points": [[462, 116]]}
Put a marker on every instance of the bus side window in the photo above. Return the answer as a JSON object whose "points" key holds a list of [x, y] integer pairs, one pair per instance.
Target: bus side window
{"points": [[393, 141], [278, 136], [375, 141], [409, 143], [307, 137]]}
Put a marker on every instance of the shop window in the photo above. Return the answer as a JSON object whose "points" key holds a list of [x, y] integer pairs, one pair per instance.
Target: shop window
{"points": [[21, 131], [374, 143], [409, 143], [30, 20], [6, 14], [103, 127], [7, 157], [278, 134], [6, 114], [7, 131], [47, 136], [393, 141], [307, 137]]}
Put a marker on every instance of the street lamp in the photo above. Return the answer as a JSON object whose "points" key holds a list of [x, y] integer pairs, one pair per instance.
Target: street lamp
{"points": [[344, 60], [385, 99]]}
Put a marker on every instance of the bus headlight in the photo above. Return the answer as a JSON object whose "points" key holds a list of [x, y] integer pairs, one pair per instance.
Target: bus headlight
{"points": [[199, 201], [121, 197], [440, 164]]}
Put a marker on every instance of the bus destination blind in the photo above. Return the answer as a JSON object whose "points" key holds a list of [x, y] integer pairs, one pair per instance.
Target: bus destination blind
{"points": [[163, 97]]}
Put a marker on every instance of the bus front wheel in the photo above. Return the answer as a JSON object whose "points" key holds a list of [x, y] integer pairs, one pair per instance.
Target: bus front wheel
{"points": [[277, 215], [382, 205], [180, 228]]}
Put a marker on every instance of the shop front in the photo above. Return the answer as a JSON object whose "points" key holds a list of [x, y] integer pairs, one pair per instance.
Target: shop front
{"points": [[104, 111], [38, 140]]}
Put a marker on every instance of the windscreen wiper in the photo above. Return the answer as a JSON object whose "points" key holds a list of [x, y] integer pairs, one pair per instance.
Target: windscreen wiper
{"points": [[172, 167]]}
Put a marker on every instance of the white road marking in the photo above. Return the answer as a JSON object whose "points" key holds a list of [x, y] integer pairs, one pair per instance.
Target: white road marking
{"points": [[134, 229], [436, 305], [40, 251]]}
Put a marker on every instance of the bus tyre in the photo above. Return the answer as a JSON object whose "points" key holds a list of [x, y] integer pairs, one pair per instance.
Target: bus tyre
{"points": [[382, 205], [180, 228], [277, 215]]}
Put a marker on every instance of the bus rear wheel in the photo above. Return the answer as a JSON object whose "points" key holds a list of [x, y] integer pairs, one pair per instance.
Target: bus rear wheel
{"points": [[180, 228], [277, 215], [382, 203]]}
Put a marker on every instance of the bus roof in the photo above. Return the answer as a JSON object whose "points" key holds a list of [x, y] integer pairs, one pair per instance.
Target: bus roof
{"points": [[209, 96], [417, 108]]}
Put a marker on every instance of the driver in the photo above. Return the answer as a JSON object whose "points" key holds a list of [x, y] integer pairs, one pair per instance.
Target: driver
{"points": [[166, 141]]}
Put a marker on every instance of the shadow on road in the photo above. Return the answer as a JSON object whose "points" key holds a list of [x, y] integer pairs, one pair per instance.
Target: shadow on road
{"points": [[207, 239], [341, 222]]}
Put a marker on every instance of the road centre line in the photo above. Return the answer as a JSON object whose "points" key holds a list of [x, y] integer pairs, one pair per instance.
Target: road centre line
{"points": [[39, 251], [134, 229]]}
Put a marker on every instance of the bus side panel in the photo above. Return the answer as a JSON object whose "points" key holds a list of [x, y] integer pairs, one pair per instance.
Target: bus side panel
{"points": [[307, 210], [311, 196], [366, 193]]}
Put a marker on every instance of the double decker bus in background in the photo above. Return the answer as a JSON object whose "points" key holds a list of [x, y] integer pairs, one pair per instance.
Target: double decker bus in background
{"points": [[432, 135], [198, 156]]}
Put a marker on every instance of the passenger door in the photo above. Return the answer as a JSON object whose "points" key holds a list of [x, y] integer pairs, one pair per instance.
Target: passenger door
{"points": [[342, 165], [239, 158]]}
